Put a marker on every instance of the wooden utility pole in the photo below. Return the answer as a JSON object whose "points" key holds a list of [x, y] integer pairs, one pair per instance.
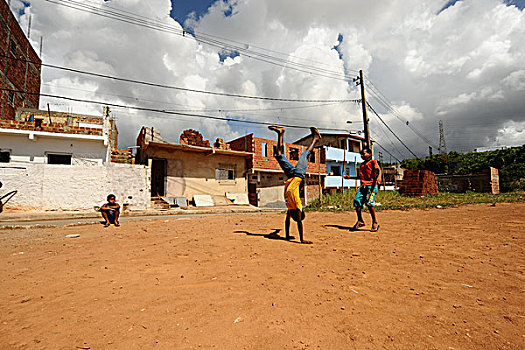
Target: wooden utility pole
{"points": [[365, 114]]}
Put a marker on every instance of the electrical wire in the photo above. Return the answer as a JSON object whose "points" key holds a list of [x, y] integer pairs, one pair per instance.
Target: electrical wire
{"points": [[195, 109], [397, 137], [181, 88], [384, 149], [204, 38], [382, 100], [139, 108]]}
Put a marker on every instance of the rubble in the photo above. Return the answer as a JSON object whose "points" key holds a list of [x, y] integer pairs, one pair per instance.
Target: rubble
{"points": [[193, 138]]}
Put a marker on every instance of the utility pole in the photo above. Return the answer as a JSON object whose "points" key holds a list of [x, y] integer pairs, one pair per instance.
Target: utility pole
{"points": [[360, 81]]}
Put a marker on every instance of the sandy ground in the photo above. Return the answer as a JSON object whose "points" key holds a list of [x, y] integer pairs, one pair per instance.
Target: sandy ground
{"points": [[430, 279]]}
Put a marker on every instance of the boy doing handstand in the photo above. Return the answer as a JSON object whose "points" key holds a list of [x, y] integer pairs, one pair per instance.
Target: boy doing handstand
{"points": [[296, 175], [369, 175]]}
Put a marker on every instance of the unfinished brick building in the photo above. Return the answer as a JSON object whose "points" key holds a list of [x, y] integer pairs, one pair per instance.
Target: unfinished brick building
{"points": [[48, 137], [266, 179], [19, 68]]}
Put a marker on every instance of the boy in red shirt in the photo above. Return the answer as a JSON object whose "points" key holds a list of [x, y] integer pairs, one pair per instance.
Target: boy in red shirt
{"points": [[370, 175], [295, 180]]}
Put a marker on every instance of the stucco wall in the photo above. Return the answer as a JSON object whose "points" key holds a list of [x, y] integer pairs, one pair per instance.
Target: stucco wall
{"points": [[47, 186], [25, 150], [191, 173]]}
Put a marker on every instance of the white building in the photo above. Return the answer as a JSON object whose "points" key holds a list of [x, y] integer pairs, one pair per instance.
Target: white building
{"points": [[63, 161], [43, 137]]}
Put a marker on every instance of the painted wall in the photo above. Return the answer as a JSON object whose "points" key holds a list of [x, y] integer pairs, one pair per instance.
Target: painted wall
{"points": [[191, 173], [25, 150], [49, 186]]}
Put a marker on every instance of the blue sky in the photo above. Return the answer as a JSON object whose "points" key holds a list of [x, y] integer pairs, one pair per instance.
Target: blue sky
{"points": [[518, 3], [474, 80], [182, 8]]}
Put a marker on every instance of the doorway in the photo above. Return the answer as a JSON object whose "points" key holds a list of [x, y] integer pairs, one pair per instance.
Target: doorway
{"points": [[158, 177]]}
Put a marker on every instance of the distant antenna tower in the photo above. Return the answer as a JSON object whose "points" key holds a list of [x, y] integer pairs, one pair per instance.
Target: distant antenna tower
{"points": [[442, 144]]}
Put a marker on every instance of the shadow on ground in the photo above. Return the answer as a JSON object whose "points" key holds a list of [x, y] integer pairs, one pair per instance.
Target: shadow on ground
{"points": [[272, 235]]}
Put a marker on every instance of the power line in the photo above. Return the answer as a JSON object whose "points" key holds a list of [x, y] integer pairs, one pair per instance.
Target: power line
{"points": [[381, 98], [384, 149], [195, 109], [180, 88], [382, 128], [139, 108], [397, 137]]}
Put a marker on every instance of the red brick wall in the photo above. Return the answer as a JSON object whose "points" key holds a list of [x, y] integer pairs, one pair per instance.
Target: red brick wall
{"points": [[418, 183], [58, 128], [13, 72], [249, 143]]}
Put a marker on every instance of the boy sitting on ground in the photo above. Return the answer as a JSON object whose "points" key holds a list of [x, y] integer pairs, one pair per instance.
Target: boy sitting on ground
{"points": [[110, 211], [296, 175]]}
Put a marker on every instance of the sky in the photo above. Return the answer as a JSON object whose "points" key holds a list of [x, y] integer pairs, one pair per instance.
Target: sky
{"points": [[461, 62]]}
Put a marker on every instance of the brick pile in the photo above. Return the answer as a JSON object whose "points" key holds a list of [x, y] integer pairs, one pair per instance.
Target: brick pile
{"points": [[221, 144], [193, 138], [418, 183], [122, 156]]}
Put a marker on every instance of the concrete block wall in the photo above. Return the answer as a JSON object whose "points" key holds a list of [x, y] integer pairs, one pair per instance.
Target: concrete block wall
{"points": [[123, 156], [487, 181], [418, 183], [45, 186]]}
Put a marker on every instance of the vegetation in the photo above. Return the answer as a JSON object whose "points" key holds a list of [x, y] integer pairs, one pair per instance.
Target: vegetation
{"points": [[393, 200], [510, 162]]}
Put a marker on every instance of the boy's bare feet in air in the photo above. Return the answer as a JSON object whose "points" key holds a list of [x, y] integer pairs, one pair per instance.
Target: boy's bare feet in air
{"points": [[278, 129], [315, 132]]}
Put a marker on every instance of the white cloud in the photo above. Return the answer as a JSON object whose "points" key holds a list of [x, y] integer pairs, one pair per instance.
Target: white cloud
{"points": [[463, 65]]}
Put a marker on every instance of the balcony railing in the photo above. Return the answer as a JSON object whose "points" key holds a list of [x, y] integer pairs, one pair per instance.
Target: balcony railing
{"points": [[338, 154]]}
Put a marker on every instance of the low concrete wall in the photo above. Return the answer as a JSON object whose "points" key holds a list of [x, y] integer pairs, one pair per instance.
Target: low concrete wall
{"points": [[47, 186]]}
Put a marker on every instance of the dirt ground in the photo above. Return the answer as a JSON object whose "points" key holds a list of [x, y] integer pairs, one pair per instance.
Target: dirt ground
{"points": [[429, 279]]}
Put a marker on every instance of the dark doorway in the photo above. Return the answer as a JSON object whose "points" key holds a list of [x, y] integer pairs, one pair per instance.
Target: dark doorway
{"points": [[158, 177], [252, 194]]}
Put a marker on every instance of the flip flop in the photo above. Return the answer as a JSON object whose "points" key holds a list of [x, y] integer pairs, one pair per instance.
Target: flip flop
{"points": [[375, 229], [314, 131], [356, 226]]}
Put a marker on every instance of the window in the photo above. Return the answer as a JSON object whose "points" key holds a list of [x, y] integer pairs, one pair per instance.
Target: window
{"points": [[11, 98], [264, 149], [311, 157], [5, 156], [293, 153], [38, 123], [224, 174], [335, 170], [53, 158]]}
